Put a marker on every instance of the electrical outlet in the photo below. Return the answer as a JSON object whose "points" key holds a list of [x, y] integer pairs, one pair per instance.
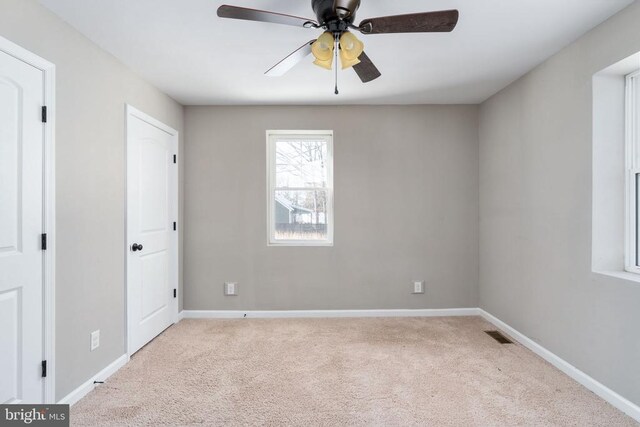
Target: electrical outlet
{"points": [[95, 339], [418, 287], [230, 289]]}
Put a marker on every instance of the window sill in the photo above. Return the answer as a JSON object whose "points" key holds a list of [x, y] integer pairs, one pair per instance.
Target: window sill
{"points": [[300, 245], [625, 275]]}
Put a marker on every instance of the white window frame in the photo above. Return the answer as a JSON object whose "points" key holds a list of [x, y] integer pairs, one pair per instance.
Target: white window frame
{"points": [[272, 136], [632, 176]]}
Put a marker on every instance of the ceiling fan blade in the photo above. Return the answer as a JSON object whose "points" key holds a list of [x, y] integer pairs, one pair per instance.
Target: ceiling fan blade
{"points": [[366, 70], [234, 12], [427, 22], [290, 61]]}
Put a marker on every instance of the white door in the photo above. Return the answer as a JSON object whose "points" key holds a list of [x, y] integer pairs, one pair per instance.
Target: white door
{"points": [[152, 267], [21, 227]]}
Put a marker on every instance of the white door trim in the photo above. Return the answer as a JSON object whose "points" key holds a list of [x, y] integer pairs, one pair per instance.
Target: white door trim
{"points": [[49, 205], [131, 111]]}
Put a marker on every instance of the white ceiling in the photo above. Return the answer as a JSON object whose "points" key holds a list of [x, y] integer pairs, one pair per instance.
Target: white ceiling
{"points": [[184, 49]]}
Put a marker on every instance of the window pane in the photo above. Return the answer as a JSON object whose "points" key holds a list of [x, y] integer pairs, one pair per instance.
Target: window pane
{"points": [[637, 219], [301, 163], [301, 215]]}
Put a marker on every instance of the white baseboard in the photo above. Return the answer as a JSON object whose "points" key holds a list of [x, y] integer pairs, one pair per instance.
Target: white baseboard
{"points": [[308, 314], [596, 387], [85, 388]]}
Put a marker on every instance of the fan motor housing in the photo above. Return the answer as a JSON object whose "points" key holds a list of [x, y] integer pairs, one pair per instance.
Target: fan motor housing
{"points": [[330, 11]]}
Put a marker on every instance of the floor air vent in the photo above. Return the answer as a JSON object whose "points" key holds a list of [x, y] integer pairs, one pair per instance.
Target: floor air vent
{"points": [[498, 336]]}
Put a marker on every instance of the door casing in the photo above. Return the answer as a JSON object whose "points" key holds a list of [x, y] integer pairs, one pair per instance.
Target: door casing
{"points": [[49, 218], [131, 112]]}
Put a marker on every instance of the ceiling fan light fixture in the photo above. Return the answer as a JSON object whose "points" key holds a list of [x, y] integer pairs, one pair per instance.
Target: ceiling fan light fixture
{"points": [[336, 17], [322, 50], [350, 50]]}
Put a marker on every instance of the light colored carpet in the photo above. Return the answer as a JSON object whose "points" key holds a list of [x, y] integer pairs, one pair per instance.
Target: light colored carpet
{"points": [[349, 372]]}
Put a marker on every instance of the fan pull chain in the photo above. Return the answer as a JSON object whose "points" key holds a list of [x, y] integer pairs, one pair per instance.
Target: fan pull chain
{"points": [[336, 66]]}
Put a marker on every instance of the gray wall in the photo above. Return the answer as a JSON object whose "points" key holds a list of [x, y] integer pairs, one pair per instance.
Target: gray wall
{"points": [[535, 213], [92, 89], [406, 207]]}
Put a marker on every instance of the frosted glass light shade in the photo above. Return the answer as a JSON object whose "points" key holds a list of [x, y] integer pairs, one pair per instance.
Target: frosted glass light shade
{"points": [[322, 50], [350, 50]]}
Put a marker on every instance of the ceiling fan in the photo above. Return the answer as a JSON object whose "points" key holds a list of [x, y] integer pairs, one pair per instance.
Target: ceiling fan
{"points": [[336, 18]]}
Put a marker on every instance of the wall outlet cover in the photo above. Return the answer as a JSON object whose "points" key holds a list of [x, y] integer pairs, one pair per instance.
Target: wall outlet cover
{"points": [[95, 339], [230, 289], [418, 287]]}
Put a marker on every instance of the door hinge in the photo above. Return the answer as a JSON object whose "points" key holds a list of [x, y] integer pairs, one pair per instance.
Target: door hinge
{"points": [[44, 369], [44, 241], [175, 226], [175, 293], [44, 114], [175, 158]]}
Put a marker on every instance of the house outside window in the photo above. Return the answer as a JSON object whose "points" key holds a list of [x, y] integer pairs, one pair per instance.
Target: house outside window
{"points": [[300, 188]]}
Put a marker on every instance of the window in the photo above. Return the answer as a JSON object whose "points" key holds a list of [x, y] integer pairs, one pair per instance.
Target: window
{"points": [[633, 172], [300, 176]]}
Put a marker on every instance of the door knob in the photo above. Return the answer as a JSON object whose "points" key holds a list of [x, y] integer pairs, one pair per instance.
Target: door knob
{"points": [[136, 247]]}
